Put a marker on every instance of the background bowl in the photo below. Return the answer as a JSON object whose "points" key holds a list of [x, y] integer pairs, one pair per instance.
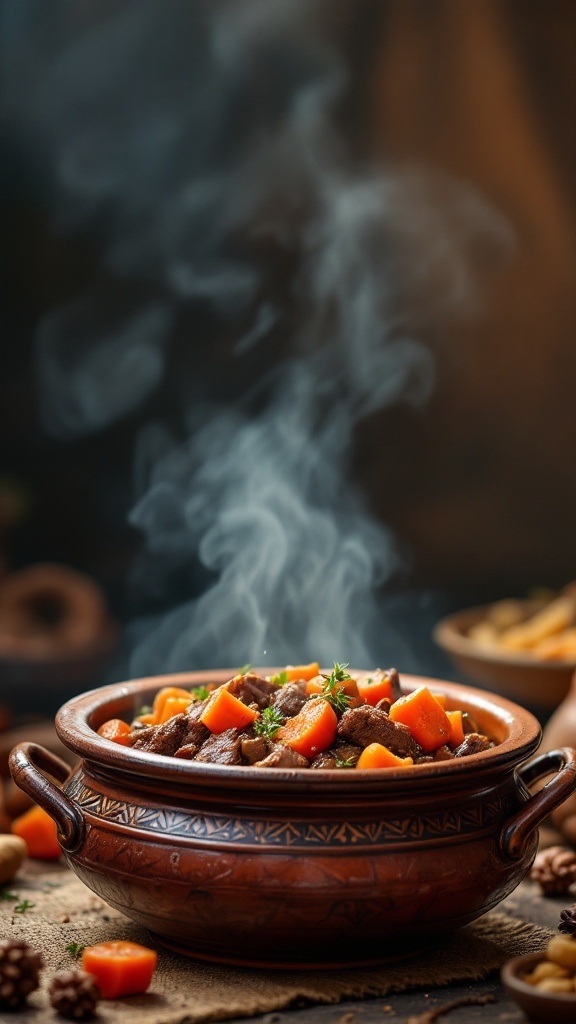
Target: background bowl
{"points": [[545, 1007], [291, 867], [538, 685]]}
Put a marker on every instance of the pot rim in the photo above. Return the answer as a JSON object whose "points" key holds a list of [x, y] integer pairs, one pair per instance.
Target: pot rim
{"points": [[77, 721]]}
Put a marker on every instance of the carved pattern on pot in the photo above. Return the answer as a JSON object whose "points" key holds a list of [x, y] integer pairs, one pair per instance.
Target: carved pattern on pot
{"points": [[296, 833]]}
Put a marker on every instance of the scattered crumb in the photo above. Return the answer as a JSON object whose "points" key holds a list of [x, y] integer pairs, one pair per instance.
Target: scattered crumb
{"points": [[64, 918]]}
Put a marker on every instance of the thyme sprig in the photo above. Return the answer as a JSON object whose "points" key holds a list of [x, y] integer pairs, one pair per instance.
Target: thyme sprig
{"points": [[332, 691], [23, 906], [269, 722]]}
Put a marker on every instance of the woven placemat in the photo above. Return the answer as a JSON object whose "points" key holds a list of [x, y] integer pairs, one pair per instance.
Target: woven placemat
{"points": [[185, 991]]}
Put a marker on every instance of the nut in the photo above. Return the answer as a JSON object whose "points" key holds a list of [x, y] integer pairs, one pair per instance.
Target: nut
{"points": [[562, 950], [13, 852]]}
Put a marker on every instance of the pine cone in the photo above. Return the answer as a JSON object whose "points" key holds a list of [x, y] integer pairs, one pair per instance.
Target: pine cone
{"points": [[568, 921], [74, 994], [554, 869], [19, 970]]}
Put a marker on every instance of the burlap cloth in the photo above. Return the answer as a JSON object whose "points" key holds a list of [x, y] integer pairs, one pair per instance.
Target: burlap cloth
{"points": [[187, 991]]}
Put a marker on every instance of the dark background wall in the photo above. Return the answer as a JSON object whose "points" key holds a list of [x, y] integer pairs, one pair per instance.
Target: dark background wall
{"points": [[288, 311]]}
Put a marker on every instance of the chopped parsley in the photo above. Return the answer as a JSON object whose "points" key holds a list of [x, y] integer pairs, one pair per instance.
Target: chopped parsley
{"points": [[280, 679], [199, 693], [75, 949]]}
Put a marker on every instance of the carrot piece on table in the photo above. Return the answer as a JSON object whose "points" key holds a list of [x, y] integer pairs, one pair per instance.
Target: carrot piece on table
{"points": [[116, 730], [312, 730], [173, 706], [305, 672], [225, 711], [381, 686], [120, 968], [424, 716], [39, 832], [162, 696], [456, 728], [375, 755]]}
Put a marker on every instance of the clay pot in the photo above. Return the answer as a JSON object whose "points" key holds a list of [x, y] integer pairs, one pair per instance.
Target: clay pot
{"points": [[295, 868]]}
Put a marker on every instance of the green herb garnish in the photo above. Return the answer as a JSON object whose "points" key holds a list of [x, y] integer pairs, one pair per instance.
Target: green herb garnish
{"points": [[200, 693], [146, 709], [349, 762], [334, 693], [280, 679], [75, 949], [23, 906], [7, 894], [268, 723], [245, 668]]}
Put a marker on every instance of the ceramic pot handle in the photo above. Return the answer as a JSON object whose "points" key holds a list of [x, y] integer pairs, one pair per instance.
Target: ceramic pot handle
{"points": [[517, 829], [28, 762]]}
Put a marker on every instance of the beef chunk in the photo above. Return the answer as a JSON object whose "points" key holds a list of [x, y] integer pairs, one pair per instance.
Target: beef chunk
{"points": [[254, 748], [443, 754], [289, 699], [222, 748], [161, 739], [365, 725], [194, 736], [252, 689], [343, 755], [473, 743], [282, 757]]}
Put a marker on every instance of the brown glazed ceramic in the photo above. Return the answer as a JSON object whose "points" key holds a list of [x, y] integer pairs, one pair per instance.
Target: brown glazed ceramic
{"points": [[295, 868], [522, 677]]}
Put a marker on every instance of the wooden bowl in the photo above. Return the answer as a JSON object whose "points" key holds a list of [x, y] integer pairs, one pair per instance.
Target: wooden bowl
{"points": [[541, 685], [291, 867], [543, 1007]]}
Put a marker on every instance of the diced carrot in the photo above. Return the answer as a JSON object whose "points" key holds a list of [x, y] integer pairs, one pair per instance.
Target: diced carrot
{"points": [[116, 730], [456, 728], [121, 968], [145, 719], [39, 832], [305, 672], [312, 730], [382, 686], [173, 706], [375, 755], [162, 696], [225, 711], [424, 716], [441, 698]]}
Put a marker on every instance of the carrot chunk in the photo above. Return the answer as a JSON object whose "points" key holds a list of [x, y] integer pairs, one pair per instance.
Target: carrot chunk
{"points": [[39, 832], [375, 755], [116, 730], [166, 693], [225, 711], [312, 730], [305, 672], [173, 706], [380, 687], [121, 968], [456, 728], [424, 716]]}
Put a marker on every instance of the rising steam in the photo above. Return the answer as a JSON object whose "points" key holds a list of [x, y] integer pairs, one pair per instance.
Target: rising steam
{"points": [[181, 138]]}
